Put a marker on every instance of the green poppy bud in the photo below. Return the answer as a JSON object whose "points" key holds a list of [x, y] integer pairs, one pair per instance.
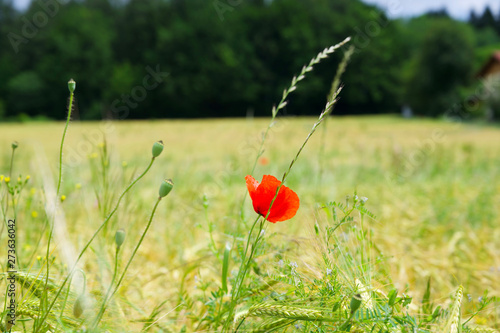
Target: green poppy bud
{"points": [[14, 145], [157, 148], [79, 306], [71, 85], [166, 187], [119, 237], [355, 303]]}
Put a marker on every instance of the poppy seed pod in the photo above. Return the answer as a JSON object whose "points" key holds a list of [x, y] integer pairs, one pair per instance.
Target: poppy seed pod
{"points": [[71, 85], [355, 303], [166, 186], [79, 306], [119, 237], [157, 148]]}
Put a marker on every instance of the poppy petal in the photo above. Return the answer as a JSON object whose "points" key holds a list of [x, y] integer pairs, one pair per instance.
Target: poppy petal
{"points": [[285, 205], [252, 184]]}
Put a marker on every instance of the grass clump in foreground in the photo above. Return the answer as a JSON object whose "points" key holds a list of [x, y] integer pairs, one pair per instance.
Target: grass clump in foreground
{"points": [[246, 277]]}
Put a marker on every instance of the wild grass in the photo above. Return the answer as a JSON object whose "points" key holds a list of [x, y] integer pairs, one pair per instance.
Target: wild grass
{"points": [[398, 227]]}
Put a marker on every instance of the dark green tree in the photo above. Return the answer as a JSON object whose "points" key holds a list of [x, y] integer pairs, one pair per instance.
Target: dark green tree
{"points": [[473, 19], [442, 65], [487, 19]]}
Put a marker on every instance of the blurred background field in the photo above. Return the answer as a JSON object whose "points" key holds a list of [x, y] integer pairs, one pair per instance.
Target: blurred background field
{"points": [[436, 202]]}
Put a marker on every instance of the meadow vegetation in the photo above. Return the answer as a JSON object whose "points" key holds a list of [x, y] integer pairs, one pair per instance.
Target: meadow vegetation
{"points": [[435, 207], [397, 229]]}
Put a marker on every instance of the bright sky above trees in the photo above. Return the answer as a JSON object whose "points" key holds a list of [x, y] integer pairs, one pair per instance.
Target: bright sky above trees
{"points": [[457, 8]]}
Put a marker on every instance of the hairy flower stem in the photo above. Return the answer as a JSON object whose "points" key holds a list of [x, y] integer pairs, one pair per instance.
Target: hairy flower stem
{"points": [[51, 231], [44, 317], [103, 308], [11, 162], [242, 271], [293, 86], [108, 293]]}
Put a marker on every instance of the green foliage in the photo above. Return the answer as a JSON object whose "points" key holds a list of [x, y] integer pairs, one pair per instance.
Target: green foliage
{"points": [[243, 56], [443, 64], [240, 52], [25, 92]]}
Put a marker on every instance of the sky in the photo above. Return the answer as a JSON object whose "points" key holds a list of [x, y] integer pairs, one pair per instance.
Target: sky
{"points": [[405, 8], [459, 9]]}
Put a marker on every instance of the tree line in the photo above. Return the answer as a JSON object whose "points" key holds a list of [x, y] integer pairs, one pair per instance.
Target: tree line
{"points": [[141, 59]]}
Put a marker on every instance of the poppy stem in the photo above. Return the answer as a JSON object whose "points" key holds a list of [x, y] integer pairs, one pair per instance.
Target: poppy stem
{"points": [[293, 86], [108, 295], [94, 236], [243, 270]]}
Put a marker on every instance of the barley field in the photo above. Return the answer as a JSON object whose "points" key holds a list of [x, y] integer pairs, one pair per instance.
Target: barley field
{"points": [[400, 215]]}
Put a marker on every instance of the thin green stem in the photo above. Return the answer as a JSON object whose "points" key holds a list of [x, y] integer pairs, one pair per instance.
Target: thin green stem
{"points": [[45, 293], [242, 272], [245, 264], [103, 306], [8, 192], [11, 162], [94, 236], [69, 290], [70, 108], [250, 257], [293, 86], [131, 258], [335, 86]]}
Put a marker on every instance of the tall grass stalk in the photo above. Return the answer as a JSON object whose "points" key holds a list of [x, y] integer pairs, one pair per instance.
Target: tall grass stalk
{"points": [[104, 223], [245, 264], [44, 300], [335, 86], [108, 293], [104, 305], [293, 86]]}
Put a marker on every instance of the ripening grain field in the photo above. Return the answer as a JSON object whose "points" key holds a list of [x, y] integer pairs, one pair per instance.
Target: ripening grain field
{"points": [[385, 204]]}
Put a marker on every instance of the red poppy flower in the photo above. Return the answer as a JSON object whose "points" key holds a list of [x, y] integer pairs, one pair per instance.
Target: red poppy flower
{"points": [[284, 207]]}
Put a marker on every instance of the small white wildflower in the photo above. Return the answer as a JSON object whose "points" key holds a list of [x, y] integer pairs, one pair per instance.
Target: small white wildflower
{"points": [[328, 271], [281, 262]]}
